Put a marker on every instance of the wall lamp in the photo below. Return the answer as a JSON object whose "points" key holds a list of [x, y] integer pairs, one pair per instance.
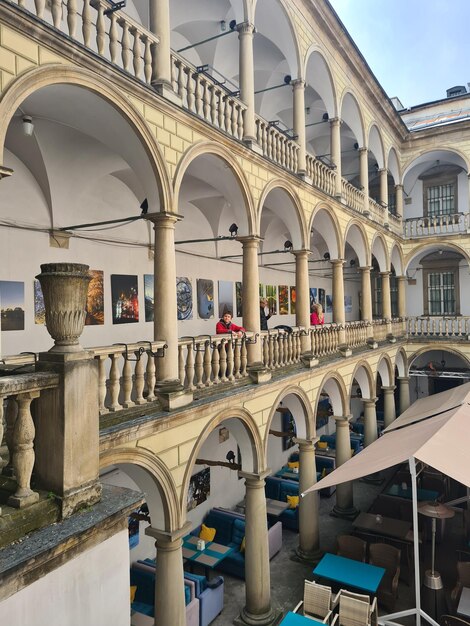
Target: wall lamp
{"points": [[28, 126], [288, 246], [326, 256], [233, 230]]}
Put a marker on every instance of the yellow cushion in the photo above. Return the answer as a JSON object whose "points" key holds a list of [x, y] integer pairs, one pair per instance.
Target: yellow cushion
{"points": [[133, 590], [293, 501], [322, 445], [207, 533], [293, 464], [242, 545]]}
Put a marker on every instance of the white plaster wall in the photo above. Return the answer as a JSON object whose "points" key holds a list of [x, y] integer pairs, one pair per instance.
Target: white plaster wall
{"points": [[415, 296], [92, 588]]}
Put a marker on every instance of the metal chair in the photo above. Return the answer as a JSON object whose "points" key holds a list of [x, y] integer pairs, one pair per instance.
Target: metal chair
{"points": [[351, 547], [385, 555], [316, 602], [463, 580], [354, 609]]}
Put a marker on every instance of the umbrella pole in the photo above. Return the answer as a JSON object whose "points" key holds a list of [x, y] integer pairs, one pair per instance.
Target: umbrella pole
{"points": [[414, 499]]}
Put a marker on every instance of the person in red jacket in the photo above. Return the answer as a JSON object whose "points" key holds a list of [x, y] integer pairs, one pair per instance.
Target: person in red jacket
{"points": [[225, 325], [317, 317]]}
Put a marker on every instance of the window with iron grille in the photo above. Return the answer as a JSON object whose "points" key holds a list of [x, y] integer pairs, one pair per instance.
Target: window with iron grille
{"points": [[394, 294], [377, 297], [440, 200], [441, 293]]}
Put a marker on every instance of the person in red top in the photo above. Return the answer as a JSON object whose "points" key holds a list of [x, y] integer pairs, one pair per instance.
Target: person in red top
{"points": [[225, 325], [317, 317]]}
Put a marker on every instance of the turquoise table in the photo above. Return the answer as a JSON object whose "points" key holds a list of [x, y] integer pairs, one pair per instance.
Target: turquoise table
{"points": [[350, 573], [294, 619], [423, 494], [212, 554]]}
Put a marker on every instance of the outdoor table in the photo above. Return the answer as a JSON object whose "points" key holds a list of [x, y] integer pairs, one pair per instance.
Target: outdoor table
{"points": [[423, 494], [275, 507], [289, 474], [348, 572], [295, 619], [211, 556], [386, 526], [464, 603]]}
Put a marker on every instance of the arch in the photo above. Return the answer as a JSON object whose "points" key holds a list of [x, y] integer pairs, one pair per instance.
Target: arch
{"points": [[375, 144], [396, 259], [365, 379], [349, 109], [393, 165], [334, 385], [38, 78], [251, 446], [355, 235], [305, 403], [439, 348], [420, 248], [299, 235], [324, 79], [386, 371], [325, 218], [380, 251], [203, 148], [153, 473], [401, 362], [433, 153]]}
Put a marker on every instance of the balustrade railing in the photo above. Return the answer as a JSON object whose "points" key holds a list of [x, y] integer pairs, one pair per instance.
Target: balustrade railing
{"points": [[324, 340], [379, 330], [353, 196], [398, 327], [206, 98], [395, 223], [376, 211], [444, 327], [323, 177], [281, 348], [357, 333], [17, 392], [275, 145], [436, 225]]}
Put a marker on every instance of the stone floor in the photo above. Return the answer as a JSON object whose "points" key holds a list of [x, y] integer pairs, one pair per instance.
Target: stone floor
{"points": [[288, 574]]}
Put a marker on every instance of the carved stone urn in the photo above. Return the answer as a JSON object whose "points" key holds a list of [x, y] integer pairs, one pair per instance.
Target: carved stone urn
{"points": [[64, 287]]}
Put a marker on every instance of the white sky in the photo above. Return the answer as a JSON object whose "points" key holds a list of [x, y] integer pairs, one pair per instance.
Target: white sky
{"points": [[416, 48]]}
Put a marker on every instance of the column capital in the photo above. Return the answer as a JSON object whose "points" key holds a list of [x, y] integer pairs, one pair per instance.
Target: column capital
{"points": [[399, 186], [5, 172], [365, 268], [302, 252], [298, 83], [245, 28], [369, 400], [402, 277], [337, 262], [306, 443], [386, 273], [335, 121], [249, 240], [168, 536], [255, 479], [363, 149], [405, 379], [389, 388], [342, 420], [163, 219]]}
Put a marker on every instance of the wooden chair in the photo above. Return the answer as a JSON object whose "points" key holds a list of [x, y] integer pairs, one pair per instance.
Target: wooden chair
{"points": [[463, 580], [385, 555], [351, 547], [316, 603], [354, 609]]}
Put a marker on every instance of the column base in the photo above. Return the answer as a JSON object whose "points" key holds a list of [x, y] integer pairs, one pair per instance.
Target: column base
{"points": [[250, 142], [165, 89], [307, 556], [345, 350], [20, 502], [172, 395], [80, 498], [309, 360], [344, 513], [372, 344], [259, 374], [270, 618]]}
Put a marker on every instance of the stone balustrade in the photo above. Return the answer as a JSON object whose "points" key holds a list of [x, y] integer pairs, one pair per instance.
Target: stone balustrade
{"points": [[398, 327], [377, 213], [17, 393], [442, 327], [380, 330], [324, 340], [276, 145], [357, 333], [436, 225], [323, 177], [353, 196], [280, 348]]}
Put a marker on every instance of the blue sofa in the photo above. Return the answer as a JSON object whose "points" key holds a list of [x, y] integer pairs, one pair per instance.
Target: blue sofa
{"points": [[357, 441], [278, 489], [230, 530]]}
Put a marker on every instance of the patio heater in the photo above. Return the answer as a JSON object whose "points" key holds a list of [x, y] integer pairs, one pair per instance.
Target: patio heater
{"points": [[433, 590]]}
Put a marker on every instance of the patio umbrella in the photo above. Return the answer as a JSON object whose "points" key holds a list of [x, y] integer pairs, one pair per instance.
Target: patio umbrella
{"points": [[435, 433]]}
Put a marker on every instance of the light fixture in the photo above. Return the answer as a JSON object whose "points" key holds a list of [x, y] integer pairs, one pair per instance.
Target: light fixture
{"points": [[144, 207], [326, 256], [288, 246], [356, 146], [230, 456], [28, 126], [223, 25], [325, 117], [352, 262], [233, 230]]}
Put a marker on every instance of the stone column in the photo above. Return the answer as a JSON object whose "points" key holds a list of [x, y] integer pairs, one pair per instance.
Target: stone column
{"points": [[298, 89], [383, 173], [404, 389], [250, 304], [169, 388], [338, 302], [159, 24], [399, 200], [302, 307], [370, 421], [364, 176], [258, 608], [247, 80], [309, 531], [66, 417], [366, 291], [389, 405], [335, 126], [344, 506], [401, 296], [169, 580], [386, 301]]}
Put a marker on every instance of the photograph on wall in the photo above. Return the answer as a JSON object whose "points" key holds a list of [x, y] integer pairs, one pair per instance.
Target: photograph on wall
{"points": [[288, 426], [199, 488], [39, 308], [225, 297], [238, 299], [184, 298], [12, 304], [148, 297], [348, 304], [124, 298], [283, 291], [205, 298], [261, 290], [293, 298], [322, 298], [329, 303], [313, 297], [95, 299], [271, 297]]}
